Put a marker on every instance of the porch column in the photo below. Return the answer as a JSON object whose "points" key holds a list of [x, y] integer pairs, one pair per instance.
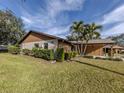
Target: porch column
{"points": [[76, 48], [111, 51], [105, 51]]}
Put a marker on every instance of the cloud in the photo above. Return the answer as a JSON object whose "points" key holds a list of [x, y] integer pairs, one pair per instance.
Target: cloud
{"points": [[26, 20], [47, 18], [116, 15], [61, 31], [113, 22], [54, 7], [116, 30], [39, 20]]}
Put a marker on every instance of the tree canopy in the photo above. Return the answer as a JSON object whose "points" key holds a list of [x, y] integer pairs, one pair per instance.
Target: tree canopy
{"points": [[11, 28], [84, 32], [119, 39], [80, 31]]}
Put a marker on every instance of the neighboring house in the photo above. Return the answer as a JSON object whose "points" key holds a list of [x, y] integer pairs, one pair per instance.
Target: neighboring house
{"points": [[38, 39], [98, 47], [117, 49]]}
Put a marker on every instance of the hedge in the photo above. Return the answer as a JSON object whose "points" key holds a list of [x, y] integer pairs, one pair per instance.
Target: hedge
{"points": [[69, 55], [47, 54], [27, 52], [59, 54], [103, 58], [13, 49]]}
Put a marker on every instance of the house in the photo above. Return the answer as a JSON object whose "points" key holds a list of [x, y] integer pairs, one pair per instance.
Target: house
{"points": [[117, 49], [41, 40], [98, 47]]}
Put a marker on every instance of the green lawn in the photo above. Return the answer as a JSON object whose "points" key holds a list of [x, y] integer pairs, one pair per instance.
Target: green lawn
{"points": [[23, 74]]}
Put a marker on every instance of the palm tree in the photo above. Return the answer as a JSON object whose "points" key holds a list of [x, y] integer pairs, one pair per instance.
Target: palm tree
{"points": [[83, 32], [77, 30], [70, 38], [91, 32]]}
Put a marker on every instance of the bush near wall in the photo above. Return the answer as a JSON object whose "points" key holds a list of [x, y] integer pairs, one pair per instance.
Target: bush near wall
{"points": [[69, 55], [13, 49], [47, 54], [104, 58], [90, 57], [74, 54], [59, 54], [27, 52]]}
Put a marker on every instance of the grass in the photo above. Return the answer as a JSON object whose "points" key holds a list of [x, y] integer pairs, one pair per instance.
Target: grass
{"points": [[23, 74]]}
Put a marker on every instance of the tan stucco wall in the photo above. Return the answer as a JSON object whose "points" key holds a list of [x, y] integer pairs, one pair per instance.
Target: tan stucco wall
{"points": [[30, 41], [66, 46], [30, 45], [33, 38], [95, 49], [92, 49]]}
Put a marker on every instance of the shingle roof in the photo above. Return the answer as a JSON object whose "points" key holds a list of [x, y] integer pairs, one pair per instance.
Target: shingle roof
{"points": [[41, 33], [119, 47], [95, 41], [108, 46]]}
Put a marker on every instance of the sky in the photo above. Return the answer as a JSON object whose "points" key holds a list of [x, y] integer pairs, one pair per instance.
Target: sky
{"points": [[56, 16]]}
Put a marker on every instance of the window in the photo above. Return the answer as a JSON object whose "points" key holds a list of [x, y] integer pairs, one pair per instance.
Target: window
{"points": [[45, 45], [52, 42], [36, 45]]}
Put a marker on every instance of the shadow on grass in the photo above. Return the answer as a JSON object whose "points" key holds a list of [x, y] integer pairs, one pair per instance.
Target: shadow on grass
{"points": [[102, 68]]}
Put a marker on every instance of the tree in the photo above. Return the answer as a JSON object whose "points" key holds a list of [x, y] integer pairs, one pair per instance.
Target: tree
{"points": [[76, 30], [91, 32], [70, 38], [119, 39], [11, 28], [84, 32]]}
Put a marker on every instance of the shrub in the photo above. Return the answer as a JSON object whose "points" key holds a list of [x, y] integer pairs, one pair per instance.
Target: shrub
{"points": [[14, 49], [69, 55], [51, 54], [59, 54], [122, 52], [91, 57], [25, 51], [74, 54], [109, 58], [43, 53], [116, 59], [35, 52]]}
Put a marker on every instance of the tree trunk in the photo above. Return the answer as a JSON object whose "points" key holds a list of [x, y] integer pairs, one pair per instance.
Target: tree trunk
{"points": [[81, 49], [78, 49], [85, 48]]}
